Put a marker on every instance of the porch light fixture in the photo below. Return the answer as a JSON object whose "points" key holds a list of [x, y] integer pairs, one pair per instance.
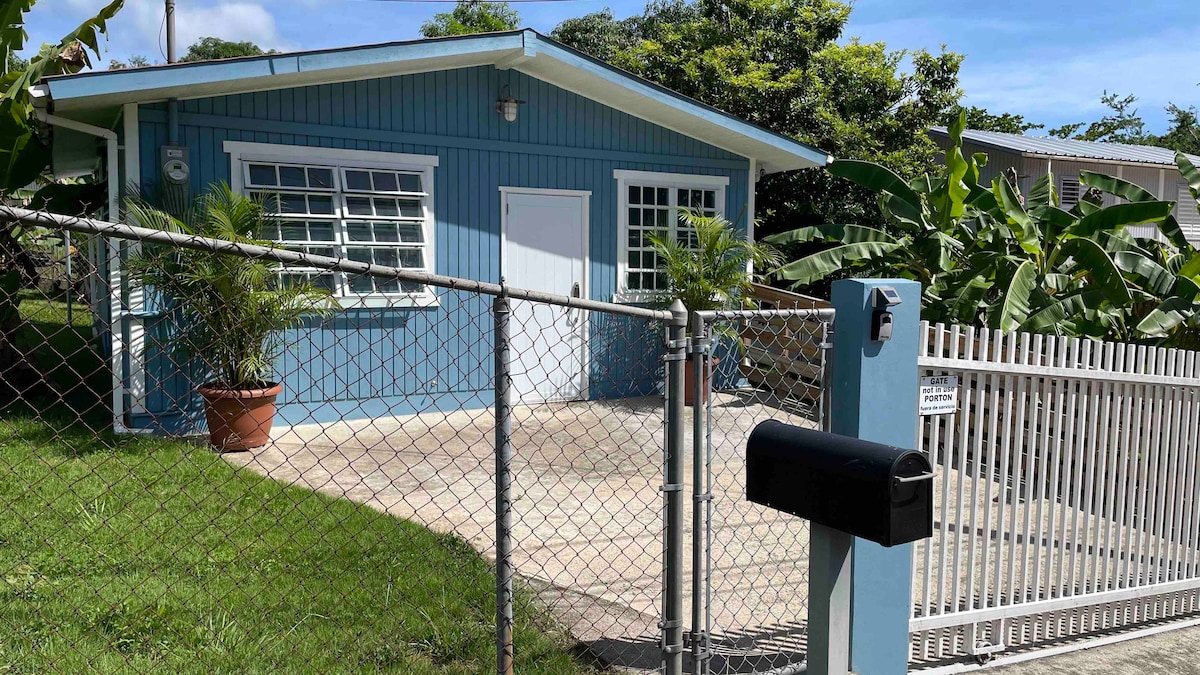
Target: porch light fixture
{"points": [[507, 105]]}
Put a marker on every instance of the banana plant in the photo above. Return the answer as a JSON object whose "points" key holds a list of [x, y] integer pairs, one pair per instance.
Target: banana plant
{"points": [[1164, 273], [930, 235], [1053, 272], [990, 255]]}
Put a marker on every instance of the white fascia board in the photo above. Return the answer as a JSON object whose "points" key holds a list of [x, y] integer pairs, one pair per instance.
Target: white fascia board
{"points": [[198, 80], [524, 50]]}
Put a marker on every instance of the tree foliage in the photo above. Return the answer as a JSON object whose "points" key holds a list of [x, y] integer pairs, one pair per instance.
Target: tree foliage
{"points": [[135, 61], [980, 119], [212, 48], [1122, 124], [785, 65], [1183, 131], [472, 16], [991, 255]]}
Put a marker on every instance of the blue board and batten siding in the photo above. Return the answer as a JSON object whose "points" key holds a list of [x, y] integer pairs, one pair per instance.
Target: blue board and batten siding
{"points": [[399, 360]]}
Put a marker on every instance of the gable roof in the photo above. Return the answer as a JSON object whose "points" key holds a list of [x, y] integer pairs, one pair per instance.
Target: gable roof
{"points": [[1116, 153], [523, 50]]}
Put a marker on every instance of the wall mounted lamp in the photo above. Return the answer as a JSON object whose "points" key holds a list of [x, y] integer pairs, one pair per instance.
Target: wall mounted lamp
{"points": [[507, 105]]}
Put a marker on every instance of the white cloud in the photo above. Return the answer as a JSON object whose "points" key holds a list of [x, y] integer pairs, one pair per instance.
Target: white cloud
{"points": [[235, 21], [1066, 84]]}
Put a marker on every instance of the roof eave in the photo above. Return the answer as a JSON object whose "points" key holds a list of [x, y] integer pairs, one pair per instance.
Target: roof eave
{"points": [[521, 50], [214, 78]]}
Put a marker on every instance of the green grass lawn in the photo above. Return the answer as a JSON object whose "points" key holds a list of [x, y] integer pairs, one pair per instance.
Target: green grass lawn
{"points": [[135, 554]]}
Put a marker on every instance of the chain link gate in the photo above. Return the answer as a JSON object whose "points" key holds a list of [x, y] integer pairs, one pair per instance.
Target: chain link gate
{"points": [[749, 563]]}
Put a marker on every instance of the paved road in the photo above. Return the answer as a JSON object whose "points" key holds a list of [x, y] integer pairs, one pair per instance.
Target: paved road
{"points": [[1174, 652]]}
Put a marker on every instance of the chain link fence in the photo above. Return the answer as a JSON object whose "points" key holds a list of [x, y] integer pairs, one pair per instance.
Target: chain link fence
{"points": [[489, 477], [752, 561]]}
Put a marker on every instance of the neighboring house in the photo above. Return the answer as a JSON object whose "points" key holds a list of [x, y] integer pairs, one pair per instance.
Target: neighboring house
{"points": [[1150, 167], [401, 154]]}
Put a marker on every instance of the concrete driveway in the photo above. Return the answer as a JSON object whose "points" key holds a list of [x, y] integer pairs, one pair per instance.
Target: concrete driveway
{"points": [[588, 517], [1169, 653]]}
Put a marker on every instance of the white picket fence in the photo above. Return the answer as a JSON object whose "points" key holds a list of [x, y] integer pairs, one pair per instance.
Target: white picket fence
{"points": [[1068, 501]]}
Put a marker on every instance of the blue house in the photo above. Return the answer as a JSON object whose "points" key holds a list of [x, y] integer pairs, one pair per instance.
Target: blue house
{"points": [[486, 156]]}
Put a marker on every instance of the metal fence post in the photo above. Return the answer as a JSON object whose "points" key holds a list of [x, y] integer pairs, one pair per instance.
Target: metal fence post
{"points": [[672, 625], [700, 494], [67, 272], [504, 563], [825, 401]]}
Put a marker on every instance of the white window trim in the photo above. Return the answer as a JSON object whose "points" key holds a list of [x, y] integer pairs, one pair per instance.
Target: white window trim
{"points": [[624, 178], [243, 151]]}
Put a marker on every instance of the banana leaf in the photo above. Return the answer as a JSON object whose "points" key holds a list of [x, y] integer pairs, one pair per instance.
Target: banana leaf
{"points": [[1130, 192], [1173, 312], [823, 263], [1015, 308]]}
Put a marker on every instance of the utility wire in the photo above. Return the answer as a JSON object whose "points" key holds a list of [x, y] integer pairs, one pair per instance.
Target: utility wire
{"points": [[161, 25]]}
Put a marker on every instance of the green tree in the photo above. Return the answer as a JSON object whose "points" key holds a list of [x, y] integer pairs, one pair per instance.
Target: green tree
{"points": [[1183, 132], [1122, 124], [212, 48], [980, 119], [472, 16], [785, 65], [15, 63], [599, 34], [135, 61]]}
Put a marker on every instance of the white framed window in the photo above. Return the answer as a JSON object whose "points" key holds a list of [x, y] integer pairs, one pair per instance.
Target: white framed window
{"points": [[651, 203], [374, 207]]}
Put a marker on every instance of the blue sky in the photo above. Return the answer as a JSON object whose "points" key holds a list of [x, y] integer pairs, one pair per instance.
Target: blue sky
{"points": [[1048, 60]]}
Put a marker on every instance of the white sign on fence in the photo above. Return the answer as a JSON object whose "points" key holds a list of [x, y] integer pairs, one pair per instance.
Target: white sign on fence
{"points": [[938, 395]]}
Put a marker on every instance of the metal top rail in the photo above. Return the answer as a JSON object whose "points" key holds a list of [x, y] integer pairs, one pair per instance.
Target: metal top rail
{"points": [[815, 314], [144, 234]]}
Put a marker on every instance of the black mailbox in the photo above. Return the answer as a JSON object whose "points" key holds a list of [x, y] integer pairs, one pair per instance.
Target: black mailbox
{"points": [[870, 490]]}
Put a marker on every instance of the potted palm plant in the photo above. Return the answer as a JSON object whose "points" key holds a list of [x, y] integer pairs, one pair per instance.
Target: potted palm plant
{"points": [[231, 309], [711, 272]]}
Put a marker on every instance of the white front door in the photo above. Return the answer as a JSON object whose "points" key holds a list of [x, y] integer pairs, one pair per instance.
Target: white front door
{"points": [[544, 249]]}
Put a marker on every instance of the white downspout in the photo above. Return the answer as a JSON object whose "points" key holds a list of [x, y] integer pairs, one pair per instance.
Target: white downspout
{"points": [[114, 260], [111, 157]]}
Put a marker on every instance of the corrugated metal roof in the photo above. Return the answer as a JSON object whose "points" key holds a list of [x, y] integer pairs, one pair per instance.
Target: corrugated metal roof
{"points": [[1058, 147]]}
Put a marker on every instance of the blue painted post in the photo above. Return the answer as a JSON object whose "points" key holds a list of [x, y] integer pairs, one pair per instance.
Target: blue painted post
{"points": [[874, 393]]}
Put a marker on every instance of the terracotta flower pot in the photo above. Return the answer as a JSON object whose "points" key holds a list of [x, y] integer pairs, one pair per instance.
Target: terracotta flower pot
{"points": [[239, 419], [689, 381]]}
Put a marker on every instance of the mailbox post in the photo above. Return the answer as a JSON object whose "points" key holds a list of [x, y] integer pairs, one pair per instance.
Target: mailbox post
{"points": [[874, 390], [867, 492], [852, 491]]}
